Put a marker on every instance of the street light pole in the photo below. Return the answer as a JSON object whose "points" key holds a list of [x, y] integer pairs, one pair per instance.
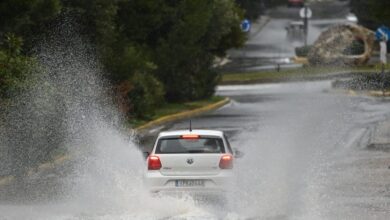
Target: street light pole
{"points": [[305, 24]]}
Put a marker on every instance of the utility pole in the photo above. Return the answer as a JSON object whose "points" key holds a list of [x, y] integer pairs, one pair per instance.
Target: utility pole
{"points": [[305, 13]]}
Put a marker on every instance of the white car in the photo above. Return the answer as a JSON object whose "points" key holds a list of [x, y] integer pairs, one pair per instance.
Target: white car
{"points": [[199, 161]]}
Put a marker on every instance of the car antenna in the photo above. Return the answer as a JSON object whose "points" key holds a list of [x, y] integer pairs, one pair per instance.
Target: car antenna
{"points": [[190, 126]]}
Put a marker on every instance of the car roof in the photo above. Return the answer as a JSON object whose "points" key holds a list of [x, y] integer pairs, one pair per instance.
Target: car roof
{"points": [[199, 132]]}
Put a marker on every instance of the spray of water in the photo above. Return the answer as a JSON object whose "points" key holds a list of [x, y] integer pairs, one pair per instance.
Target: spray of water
{"points": [[69, 111]]}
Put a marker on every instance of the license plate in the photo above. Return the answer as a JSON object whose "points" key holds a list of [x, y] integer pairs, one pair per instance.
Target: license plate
{"points": [[189, 183]]}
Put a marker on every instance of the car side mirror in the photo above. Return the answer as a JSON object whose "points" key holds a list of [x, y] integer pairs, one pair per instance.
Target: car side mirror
{"points": [[146, 154], [238, 154]]}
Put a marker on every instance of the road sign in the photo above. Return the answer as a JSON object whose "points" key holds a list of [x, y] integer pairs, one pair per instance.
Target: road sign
{"points": [[245, 25], [305, 12], [382, 33]]}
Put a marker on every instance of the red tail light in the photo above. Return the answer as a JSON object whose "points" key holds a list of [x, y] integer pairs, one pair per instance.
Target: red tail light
{"points": [[154, 163], [226, 162]]}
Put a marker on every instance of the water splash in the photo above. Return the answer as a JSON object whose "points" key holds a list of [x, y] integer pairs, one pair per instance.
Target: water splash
{"points": [[69, 110]]}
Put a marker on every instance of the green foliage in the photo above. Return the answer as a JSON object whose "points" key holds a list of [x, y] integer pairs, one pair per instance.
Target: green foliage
{"points": [[26, 17], [254, 8], [173, 40], [302, 51], [145, 95], [372, 13], [126, 61], [15, 69], [173, 43], [153, 51], [224, 31], [184, 58], [144, 22], [13, 45]]}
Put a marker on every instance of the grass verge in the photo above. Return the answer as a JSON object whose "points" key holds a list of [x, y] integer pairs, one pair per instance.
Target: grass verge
{"points": [[304, 73], [174, 108]]}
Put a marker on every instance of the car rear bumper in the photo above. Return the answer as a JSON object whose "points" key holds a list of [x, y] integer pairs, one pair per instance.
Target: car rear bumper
{"points": [[216, 184], [199, 192]]}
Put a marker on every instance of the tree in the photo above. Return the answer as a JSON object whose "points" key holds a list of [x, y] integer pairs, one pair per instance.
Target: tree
{"points": [[173, 42], [26, 18], [373, 13], [254, 8], [184, 58], [15, 68]]}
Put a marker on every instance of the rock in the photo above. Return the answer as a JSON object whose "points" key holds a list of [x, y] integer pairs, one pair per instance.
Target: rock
{"points": [[331, 46]]}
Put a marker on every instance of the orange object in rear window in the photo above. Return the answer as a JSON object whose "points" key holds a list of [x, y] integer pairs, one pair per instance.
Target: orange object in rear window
{"points": [[190, 136]]}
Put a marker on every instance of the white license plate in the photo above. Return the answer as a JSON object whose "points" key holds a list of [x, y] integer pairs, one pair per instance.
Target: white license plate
{"points": [[189, 183]]}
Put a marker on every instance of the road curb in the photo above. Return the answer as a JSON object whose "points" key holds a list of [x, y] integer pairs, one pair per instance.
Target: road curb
{"points": [[183, 115], [378, 93], [300, 60], [373, 93], [319, 76]]}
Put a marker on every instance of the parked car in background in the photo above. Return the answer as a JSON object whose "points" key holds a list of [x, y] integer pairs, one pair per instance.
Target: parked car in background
{"points": [[295, 3]]}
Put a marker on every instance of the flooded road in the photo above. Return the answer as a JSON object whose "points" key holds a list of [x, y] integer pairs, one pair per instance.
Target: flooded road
{"points": [[305, 158], [305, 151]]}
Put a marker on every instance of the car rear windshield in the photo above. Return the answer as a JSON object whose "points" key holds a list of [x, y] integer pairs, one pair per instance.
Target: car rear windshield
{"points": [[184, 146]]}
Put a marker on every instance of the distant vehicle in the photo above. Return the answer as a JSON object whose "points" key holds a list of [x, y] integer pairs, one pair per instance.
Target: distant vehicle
{"points": [[198, 161], [295, 3]]}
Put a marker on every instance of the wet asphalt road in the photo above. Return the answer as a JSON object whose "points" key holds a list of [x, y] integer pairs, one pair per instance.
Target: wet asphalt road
{"points": [[306, 157], [305, 151]]}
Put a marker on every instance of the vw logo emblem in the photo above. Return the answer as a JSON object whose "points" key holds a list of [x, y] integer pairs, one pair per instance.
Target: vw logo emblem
{"points": [[190, 161]]}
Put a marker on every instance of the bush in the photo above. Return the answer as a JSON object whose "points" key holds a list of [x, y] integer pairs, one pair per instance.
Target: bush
{"points": [[371, 81], [15, 68], [302, 51], [172, 42], [145, 95], [184, 57]]}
